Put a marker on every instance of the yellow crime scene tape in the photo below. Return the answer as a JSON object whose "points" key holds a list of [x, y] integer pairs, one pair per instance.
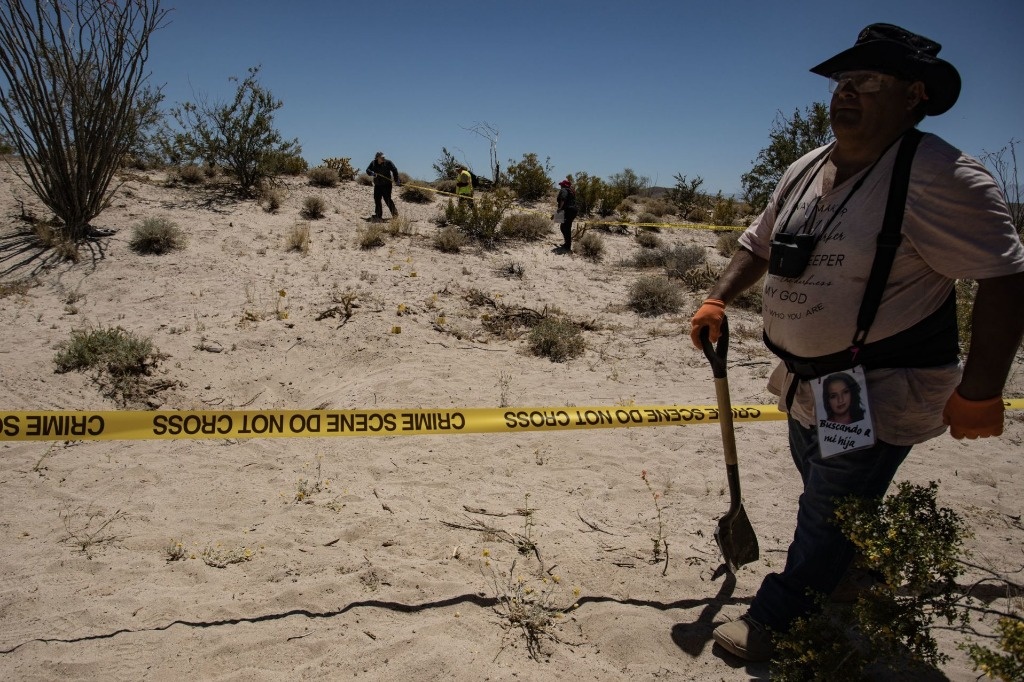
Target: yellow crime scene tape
{"points": [[219, 424]]}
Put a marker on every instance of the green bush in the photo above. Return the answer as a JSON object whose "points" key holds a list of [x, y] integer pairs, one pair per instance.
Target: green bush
{"points": [[915, 547], [589, 191], [156, 236], [342, 165], [119, 359], [313, 208], [286, 163], [682, 258], [322, 176], [525, 226], [479, 220], [529, 179], [556, 339], [653, 295]]}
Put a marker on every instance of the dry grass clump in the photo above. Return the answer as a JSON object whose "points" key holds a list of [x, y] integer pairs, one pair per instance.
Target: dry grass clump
{"points": [[298, 239], [647, 217], [313, 208], [399, 226], [591, 246], [365, 179], [156, 236], [728, 242], [512, 270], [527, 227], [19, 287], [372, 236], [322, 176], [191, 175], [556, 339], [653, 295], [648, 239], [416, 194], [682, 258], [450, 240], [273, 199]]}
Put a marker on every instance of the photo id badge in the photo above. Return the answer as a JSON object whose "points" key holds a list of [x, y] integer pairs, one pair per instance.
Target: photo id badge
{"points": [[844, 418]]}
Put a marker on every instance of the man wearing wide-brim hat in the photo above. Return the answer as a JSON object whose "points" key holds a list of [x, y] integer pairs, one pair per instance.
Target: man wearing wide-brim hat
{"points": [[833, 300]]}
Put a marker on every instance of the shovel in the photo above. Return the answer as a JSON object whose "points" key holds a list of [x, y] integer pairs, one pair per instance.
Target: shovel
{"points": [[734, 534]]}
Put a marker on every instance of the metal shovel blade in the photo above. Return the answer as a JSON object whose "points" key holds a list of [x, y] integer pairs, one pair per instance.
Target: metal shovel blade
{"points": [[735, 537], [734, 534]]}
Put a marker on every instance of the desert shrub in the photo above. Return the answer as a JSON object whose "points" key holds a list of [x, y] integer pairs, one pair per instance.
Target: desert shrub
{"points": [[399, 225], [682, 258], [723, 210], [728, 242], [322, 176], [446, 186], [528, 178], [480, 220], [654, 295], [658, 208], [298, 238], [372, 236], [286, 163], [191, 175], [628, 183], [273, 198], [119, 359], [588, 193], [1009, 666], [239, 136], [342, 165], [648, 239], [647, 217], [313, 208], [647, 258], [556, 339], [450, 240], [365, 179], [416, 195], [591, 246], [525, 226], [157, 236], [915, 548]]}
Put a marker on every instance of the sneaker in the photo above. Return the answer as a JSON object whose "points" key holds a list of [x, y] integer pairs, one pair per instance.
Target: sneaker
{"points": [[745, 638]]}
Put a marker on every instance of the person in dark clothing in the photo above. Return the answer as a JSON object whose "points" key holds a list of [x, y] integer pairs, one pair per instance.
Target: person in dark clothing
{"points": [[383, 172], [567, 205]]}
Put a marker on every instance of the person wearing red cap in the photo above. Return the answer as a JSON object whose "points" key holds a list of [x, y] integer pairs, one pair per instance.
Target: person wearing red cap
{"points": [[566, 202], [850, 285]]}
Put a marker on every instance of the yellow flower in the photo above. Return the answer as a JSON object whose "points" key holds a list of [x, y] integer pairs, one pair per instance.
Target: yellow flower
{"points": [[487, 552]]}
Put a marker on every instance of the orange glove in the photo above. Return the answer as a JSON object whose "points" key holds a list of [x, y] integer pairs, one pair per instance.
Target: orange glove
{"points": [[973, 418], [710, 315]]}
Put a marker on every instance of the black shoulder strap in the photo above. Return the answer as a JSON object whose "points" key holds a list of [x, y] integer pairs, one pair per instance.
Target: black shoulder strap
{"points": [[890, 237]]}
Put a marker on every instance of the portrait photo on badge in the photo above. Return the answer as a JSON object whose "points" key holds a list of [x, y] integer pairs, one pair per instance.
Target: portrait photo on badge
{"points": [[842, 411]]}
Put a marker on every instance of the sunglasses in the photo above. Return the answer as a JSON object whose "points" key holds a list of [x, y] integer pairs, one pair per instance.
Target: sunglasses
{"points": [[860, 81]]}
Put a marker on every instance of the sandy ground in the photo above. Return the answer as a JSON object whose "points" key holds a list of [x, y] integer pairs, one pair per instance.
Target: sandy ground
{"points": [[397, 561]]}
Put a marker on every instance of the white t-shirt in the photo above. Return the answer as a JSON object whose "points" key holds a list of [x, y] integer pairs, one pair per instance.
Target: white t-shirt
{"points": [[956, 226]]}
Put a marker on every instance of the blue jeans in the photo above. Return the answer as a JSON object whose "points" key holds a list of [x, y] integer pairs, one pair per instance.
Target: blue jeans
{"points": [[820, 553]]}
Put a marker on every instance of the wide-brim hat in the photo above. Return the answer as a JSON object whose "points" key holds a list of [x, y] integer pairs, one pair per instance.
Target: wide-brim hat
{"points": [[896, 51]]}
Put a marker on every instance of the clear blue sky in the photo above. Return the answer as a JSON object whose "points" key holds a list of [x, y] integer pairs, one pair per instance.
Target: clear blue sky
{"points": [[659, 86]]}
